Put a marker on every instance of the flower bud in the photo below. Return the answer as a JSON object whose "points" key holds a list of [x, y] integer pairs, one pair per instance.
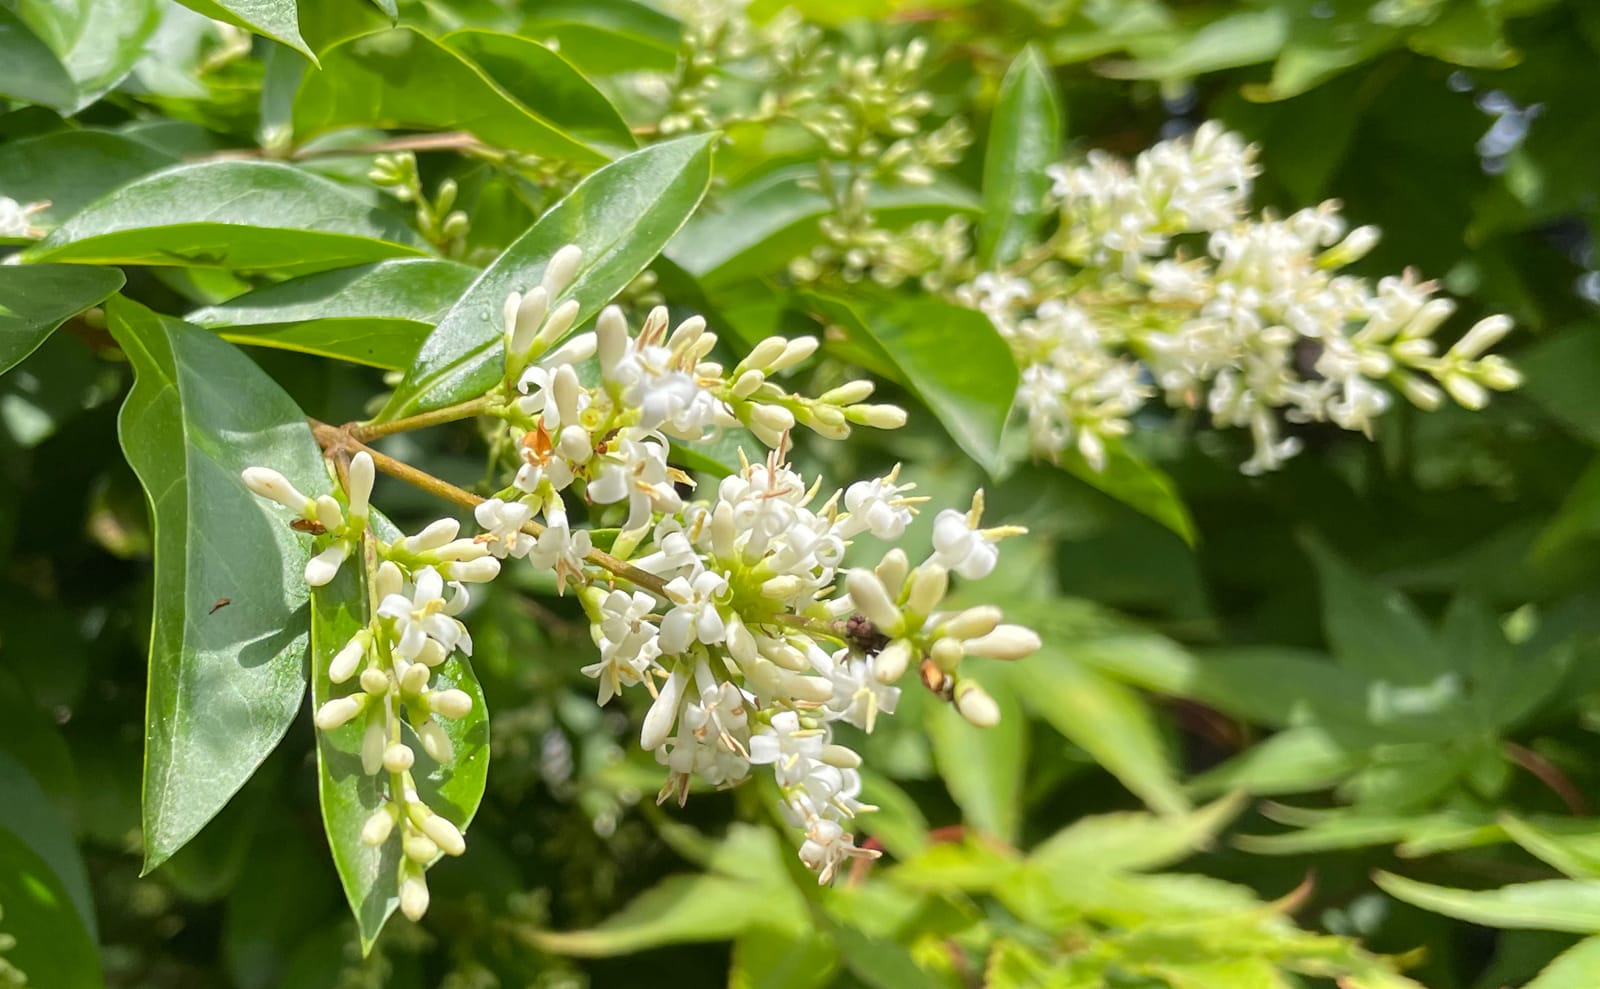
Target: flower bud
{"points": [[782, 587], [815, 689], [840, 757], [415, 679], [974, 703], [947, 653], [1497, 374], [378, 827], [322, 568], [343, 665], [530, 313], [762, 355], [561, 269], [794, 351], [434, 535], [450, 703], [398, 758], [889, 665], [848, 393], [1423, 394], [268, 483], [1429, 318], [388, 580], [877, 416], [559, 321], [787, 656], [1005, 642], [373, 741], [575, 351], [772, 418], [413, 896], [444, 834], [873, 601], [1483, 335], [435, 742], [892, 570], [1468, 393], [374, 681], [973, 622], [479, 571], [362, 474], [611, 333], [329, 513], [419, 848], [462, 550], [747, 383], [338, 712], [929, 583]]}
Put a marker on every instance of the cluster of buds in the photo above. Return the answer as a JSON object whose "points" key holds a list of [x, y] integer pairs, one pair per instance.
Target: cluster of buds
{"points": [[1263, 326], [419, 584]]}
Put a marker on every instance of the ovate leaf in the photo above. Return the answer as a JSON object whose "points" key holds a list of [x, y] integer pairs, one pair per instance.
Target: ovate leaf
{"points": [[71, 168], [97, 41], [605, 36], [349, 796], [37, 298], [53, 948], [401, 78], [1024, 138], [1571, 905], [620, 216], [277, 19], [375, 314], [225, 682], [33, 73], [239, 215]]}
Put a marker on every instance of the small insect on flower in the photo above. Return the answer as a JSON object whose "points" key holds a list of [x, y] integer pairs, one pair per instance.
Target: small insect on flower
{"points": [[310, 527]]}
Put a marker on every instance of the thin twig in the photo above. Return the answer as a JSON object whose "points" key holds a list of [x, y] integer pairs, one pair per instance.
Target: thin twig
{"points": [[361, 432], [1549, 775]]}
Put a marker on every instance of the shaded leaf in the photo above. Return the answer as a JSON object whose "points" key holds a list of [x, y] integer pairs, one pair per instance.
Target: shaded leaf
{"points": [[52, 946], [37, 298], [224, 685], [1136, 483], [1576, 968], [1372, 630], [71, 168], [30, 817]]}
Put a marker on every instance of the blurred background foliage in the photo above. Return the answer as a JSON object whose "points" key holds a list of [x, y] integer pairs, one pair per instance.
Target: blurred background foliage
{"points": [[1364, 693]]}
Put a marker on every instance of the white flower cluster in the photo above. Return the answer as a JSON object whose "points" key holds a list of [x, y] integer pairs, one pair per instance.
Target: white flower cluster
{"points": [[419, 584], [1261, 326]]}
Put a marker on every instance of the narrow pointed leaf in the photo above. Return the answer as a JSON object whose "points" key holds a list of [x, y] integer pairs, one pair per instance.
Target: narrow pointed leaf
{"points": [[1571, 905], [225, 682], [239, 215], [37, 298], [1024, 138], [620, 216]]}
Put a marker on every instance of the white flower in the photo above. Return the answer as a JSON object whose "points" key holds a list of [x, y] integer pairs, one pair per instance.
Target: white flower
{"points": [[636, 472], [878, 507], [502, 522], [828, 846], [961, 548], [858, 698], [425, 627], [694, 616], [788, 747], [627, 642]]}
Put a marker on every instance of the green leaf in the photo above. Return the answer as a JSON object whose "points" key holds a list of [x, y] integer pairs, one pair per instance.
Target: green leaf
{"points": [[762, 225], [620, 216], [915, 338], [1576, 968], [276, 19], [37, 298], [71, 168], [1374, 631], [606, 36], [1104, 718], [33, 73], [401, 78], [545, 81], [1293, 761], [1024, 138], [1571, 905], [1560, 373], [678, 910], [1136, 483], [30, 816], [1570, 846], [1245, 37], [97, 41], [240, 215], [1131, 841], [375, 314], [224, 684], [772, 958], [984, 768], [348, 795], [53, 949]]}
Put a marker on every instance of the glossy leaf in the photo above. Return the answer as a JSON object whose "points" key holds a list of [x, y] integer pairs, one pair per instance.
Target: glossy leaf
{"points": [[224, 684], [276, 19], [605, 36], [758, 227], [32, 73], [97, 41], [348, 795], [52, 946], [984, 767], [401, 78], [1571, 905], [620, 216], [1136, 483], [375, 314], [545, 82], [37, 298], [1024, 138], [71, 168], [239, 215]]}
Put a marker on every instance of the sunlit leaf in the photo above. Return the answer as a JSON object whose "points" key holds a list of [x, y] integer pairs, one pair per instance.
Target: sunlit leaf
{"points": [[1551, 905]]}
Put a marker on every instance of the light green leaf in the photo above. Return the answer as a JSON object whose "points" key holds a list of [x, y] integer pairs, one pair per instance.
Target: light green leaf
{"points": [[1024, 138], [546, 82], [914, 340], [375, 314], [1104, 718], [1576, 968], [1571, 905], [71, 168], [620, 216], [239, 215], [606, 36], [1571, 846], [37, 298], [984, 768], [97, 41], [401, 78], [53, 949], [771, 958], [276, 19], [678, 910], [1292, 761], [760, 226], [348, 795], [33, 73], [1244, 37], [224, 684], [1130, 841]]}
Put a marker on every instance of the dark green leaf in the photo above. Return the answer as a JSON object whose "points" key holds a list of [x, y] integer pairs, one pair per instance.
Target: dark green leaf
{"points": [[37, 298], [53, 949], [376, 314], [401, 78], [1136, 483], [97, 41], [30, 816], [620, 216], [1374, 631], [240, 215], [224, 684], [32, 73], [546, 82], [1024, 138], [70, 169], [276, 19], [1552, 905], [349, 796]]}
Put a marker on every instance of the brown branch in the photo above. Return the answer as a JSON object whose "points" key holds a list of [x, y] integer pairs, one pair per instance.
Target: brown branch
{"points": [[1549, 775]]}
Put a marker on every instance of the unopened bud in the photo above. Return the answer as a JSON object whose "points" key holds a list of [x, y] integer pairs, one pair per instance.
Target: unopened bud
{"points": [[435, 742], [747, 383], [419, 848], [415, 679], [849, 393], [413, 896], [1483, 335], [338, 712], [794, 352], [928, 585], [889, 665], [973, 622], [479, 571], [772, 418], [559, 321], [840, 757], [1497, 374], [1423, 394], [1005, 642], [378, 827], [974, 703], [563, 267], [362, 474], [450, 703], [398, 758], [877, 416], [873, 601], [329, 513], [762, 355], [343, 665], [373, 742], [444, 834], [374, 681], [434, 535], [892, 570], [947, 653], [1465, 391], [611, 332], [268, 483]]}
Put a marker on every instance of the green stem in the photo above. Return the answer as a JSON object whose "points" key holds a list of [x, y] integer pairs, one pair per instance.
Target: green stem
{"points": [[361, 432]]}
